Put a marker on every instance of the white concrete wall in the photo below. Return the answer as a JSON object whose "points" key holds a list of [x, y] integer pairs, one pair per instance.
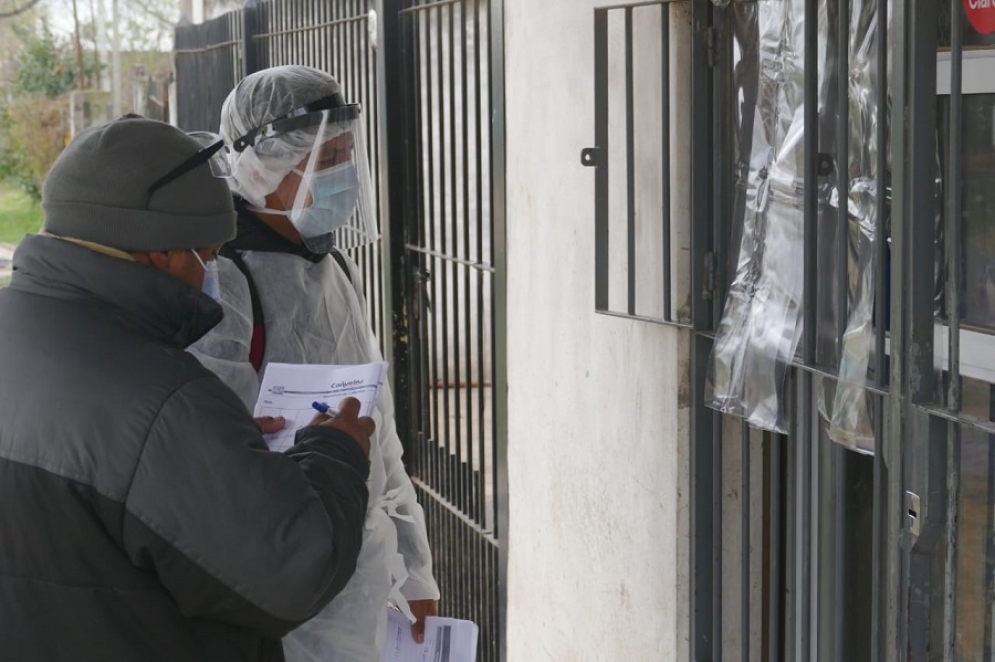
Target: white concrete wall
{"points": [[597, 477]]}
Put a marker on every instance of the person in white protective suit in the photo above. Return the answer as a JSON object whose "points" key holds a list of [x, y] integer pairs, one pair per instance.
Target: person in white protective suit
{"points": [[302, 190]]}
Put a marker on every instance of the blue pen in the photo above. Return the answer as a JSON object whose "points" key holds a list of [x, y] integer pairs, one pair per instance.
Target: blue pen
{"points": [[323, 408]]}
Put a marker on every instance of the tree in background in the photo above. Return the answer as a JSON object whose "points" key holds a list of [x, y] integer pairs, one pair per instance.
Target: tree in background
{"points": [[42, 61], [32, 126], [45, 64]]}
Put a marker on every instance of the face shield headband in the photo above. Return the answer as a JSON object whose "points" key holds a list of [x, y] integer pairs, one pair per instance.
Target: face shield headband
{"points": [[299, 118]]}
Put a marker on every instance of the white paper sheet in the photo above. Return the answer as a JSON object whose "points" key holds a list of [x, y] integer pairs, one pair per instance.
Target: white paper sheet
{"points": [[289, 390], [446, 640]]}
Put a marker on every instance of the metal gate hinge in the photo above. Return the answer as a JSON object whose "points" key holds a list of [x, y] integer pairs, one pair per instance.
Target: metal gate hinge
{"points": [[708, 281], [710, 39], [912, 513], [592, 157]]}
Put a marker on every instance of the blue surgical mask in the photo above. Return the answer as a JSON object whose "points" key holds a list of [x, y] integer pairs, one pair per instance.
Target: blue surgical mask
{"points": [[212, 282], [334, 193]]}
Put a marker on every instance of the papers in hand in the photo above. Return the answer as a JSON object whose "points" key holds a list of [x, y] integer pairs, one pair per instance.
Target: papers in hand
{"points": [[289, 389], [446, 640]]}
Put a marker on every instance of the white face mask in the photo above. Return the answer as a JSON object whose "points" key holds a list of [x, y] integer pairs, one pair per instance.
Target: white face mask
{"points": [[212, 282], [334, 193]]}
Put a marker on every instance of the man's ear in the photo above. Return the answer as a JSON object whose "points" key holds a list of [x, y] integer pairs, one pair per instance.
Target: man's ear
{"points": [[161, 260], [158, 260]]}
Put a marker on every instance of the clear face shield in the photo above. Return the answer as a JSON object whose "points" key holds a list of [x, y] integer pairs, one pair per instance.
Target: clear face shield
{"points": [[328, 195]]}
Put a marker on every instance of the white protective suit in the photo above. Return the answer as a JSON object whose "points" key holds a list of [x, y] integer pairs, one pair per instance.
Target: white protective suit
{"points": [[314, 314]]}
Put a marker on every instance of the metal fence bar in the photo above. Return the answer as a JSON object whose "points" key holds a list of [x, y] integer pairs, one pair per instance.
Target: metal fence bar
{"points": [[989, 623], [952, 233], [496, 144], [953, 245], [773, 606], [836, 471], [457, 184], [803, 644], [665, 161], [481, 391], [744, 568], [601, 192], [428, 118], [705, 515], [630, 163], [471, 497]]}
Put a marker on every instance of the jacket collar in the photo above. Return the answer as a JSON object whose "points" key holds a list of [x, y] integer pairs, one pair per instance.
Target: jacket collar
{"points": [[254, 235], [164, 306]]}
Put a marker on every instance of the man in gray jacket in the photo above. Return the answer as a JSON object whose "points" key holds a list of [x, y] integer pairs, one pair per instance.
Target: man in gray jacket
{"points": [[141, 515]]}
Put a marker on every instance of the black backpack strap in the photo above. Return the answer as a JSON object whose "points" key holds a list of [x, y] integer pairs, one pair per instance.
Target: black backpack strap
{"points": [[338, 257], [257, 345]]}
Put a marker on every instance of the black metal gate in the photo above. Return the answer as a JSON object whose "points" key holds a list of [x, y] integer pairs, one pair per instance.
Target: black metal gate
{"points": [[429, 76], [444, 103]]}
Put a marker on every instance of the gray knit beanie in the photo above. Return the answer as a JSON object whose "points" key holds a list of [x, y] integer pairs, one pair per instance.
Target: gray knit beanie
{"points": [[96, 190]]}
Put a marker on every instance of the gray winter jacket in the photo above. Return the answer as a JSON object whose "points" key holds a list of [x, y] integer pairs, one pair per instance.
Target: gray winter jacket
{"points": [[141, 515]]}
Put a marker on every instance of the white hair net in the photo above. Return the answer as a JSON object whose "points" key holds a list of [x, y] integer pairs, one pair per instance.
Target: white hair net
{"points": [[260, 98]]}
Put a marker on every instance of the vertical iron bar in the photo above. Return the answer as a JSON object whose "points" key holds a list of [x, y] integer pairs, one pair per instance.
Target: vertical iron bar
{"points": [[717, 531], [445, 168], [878, 495], [279, 43], [630, 161], [990, 536], [482, 432], [951, 535], [837, 459], [775, 545], [484, 377], [601, 207], [954, 214], [393, 95], [495, 33], [802, 593], [417, 264], [453, 267], [428, 224], [842, 171], [952, 237], [468, 276], [720, 37], [250, 28], [705, 515], [745, 574], [665, 161], [878, 613], [894, 557]]}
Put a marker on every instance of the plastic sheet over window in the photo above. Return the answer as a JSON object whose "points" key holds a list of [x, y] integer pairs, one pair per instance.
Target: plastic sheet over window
{"points": [[850, 421], [761, 325]]}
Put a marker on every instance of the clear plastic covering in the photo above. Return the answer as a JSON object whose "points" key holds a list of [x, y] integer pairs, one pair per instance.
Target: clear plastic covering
{"points": [[850, 418], [761, 324]]}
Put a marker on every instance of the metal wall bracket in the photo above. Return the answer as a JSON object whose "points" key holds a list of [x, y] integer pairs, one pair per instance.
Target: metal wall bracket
{"points": [[592, 157]]}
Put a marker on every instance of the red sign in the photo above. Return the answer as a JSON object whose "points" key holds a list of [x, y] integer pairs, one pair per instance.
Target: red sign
{"points": [[981, 14]]}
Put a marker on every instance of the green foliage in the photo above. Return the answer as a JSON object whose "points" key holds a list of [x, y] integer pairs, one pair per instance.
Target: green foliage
{"points": [[32, 134], [45, 64], [19, 215]]}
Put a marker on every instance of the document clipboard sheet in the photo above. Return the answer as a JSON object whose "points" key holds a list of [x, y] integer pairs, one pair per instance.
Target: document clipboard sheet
{"points": [[289, 390], [446, 640]]}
